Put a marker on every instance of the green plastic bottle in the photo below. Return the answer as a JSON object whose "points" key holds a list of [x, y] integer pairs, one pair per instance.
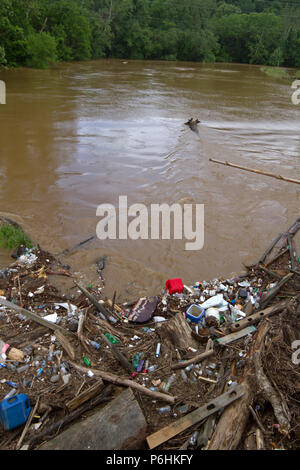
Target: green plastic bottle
{"points": [[111, 338]]}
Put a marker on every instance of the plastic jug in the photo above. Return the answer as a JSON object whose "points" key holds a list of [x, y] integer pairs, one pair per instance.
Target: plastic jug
{"points": [[14, 411]]}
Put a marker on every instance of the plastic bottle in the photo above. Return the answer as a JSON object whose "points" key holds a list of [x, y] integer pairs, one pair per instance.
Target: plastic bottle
{"points": [[63, 370], [112, 319], [12, 384], [94, 344], [140, 366], [184, 376], [169, 382], [26, 382], [86, 361], [136, 360], [152, 368], [10, 394], [39, 372], [111, 338], [193, 439], [164, 409], [157, 350], [54, 378], [22, 368], [66, 378]]}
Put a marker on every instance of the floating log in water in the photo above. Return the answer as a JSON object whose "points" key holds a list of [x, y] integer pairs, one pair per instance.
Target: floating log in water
{"points": [[192, 123], [78, 245], [253, 170]]}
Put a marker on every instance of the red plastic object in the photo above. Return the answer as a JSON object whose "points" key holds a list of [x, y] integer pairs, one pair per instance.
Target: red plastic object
{"points": [[174, 286], [133, 375]]}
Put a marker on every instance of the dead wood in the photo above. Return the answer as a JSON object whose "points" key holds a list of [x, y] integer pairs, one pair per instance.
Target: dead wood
{"points": [[233, 421], [271, 395], [127, 383], [177, 333], [48, 432]]}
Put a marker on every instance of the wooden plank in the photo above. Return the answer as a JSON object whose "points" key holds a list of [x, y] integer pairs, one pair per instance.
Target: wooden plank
{"points": [[91, 392], [268, 296], [256, 317], [293, 252], [237, 335], [66, 345], [194, 417]]}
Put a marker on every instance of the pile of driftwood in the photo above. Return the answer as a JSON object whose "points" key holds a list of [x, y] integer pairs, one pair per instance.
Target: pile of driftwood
{"points": [[234, 386]]}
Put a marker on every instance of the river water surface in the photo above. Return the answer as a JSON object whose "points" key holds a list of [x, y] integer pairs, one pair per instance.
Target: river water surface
{"points": [[82, 134]]}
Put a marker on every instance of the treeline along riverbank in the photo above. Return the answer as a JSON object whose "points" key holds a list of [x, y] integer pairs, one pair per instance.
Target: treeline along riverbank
{"points": [[39, 33]]}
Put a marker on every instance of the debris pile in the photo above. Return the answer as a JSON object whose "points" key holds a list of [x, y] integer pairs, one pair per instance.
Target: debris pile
{"points": [[208, 366]]}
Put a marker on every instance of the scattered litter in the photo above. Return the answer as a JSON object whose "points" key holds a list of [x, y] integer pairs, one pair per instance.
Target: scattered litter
{"points": [[188, 347]]}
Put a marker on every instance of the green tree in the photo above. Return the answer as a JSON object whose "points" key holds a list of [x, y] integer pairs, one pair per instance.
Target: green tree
{"points": [[74, 31], [41, 50], [13, 40], [3, 60], [276, 58]]}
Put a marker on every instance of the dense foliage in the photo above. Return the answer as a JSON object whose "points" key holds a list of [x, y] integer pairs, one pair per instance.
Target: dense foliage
{"points": [[38, 33]]}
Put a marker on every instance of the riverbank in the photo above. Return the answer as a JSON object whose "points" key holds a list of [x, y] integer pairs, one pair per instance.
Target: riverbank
{"points": [[78, 350]]}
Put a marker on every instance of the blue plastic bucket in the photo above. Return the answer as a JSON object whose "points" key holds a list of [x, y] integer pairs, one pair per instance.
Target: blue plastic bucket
{"points": [[195, 313]]}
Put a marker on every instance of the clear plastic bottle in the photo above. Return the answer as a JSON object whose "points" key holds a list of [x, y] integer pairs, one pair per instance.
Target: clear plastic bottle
{"points": [[169, 382], [184, 376]]}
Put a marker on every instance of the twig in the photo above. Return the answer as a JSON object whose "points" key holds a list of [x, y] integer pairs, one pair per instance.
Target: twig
{"points": [[71, 417], [271, 273], [266, 299], [120, 357], [259, 439], [32, 316], [94, 301], [258, 422], [253, 170], [127, 383], [269, 249], [32, 413], [199, 377], [277, 257], [194, 360]]}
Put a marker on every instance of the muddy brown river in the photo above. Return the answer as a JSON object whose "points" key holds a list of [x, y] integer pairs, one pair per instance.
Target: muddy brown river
{"points": [[82, 134]]}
